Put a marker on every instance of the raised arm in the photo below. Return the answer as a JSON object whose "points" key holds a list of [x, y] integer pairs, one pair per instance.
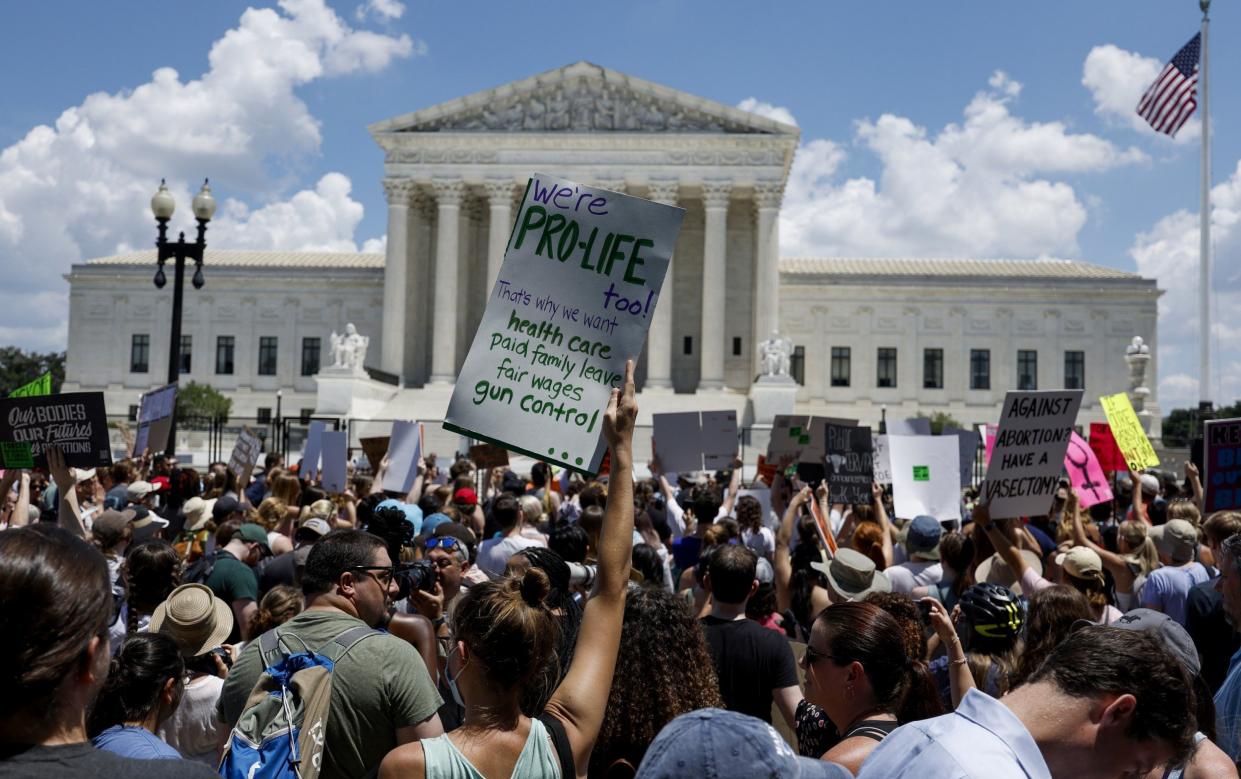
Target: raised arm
{"points": [[67, 515], [960, 679], [1004, 545], [881, 514], [1110, 559], [381, 470], [21, 511], [676, 517], [734, 486], [1139, 508], [415, 491], [580, 700], [783, 563], [1195, 483]]}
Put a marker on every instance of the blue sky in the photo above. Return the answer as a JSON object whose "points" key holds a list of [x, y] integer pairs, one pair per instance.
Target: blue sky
{"points": [[880, 90]]}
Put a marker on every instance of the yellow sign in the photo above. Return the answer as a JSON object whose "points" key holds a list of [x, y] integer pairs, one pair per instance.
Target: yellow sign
{"points": [[1128, 432]]}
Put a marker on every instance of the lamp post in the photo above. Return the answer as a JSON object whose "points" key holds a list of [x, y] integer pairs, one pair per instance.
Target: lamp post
{"points": [[163, 206], [277, 433]]}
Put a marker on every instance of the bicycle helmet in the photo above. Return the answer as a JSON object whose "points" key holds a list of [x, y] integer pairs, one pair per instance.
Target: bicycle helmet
{"points": [[994, 616]]}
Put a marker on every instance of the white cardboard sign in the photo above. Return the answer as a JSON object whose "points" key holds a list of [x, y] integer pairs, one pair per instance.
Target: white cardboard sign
{"points": [[926, 476], [690, 441], [1028, 457], [719, 439], [335, 451], [404, 451], [312, 450], [573, 300]]}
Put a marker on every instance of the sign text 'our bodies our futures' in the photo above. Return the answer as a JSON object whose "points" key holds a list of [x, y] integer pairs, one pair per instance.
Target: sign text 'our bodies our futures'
{"points": [[573, 301]]}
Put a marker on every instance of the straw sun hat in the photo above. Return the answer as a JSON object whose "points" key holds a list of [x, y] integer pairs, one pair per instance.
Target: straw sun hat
{"points": [[194, 618]]}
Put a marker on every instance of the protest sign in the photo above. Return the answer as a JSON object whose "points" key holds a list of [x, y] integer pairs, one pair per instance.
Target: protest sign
{"points": [[814, 450], [489, 456], [127, 435], [1087, 478], [967, 440], [335, 453], [76, 423], [403, 454], [719, 439], [573, 300], [1033, 436], [312, 450], [678, 441], [988, 435], [765, 471], [1128, 432], [155, 410], [911, 426], [789, 434], [1222, 457], [245, 456], [1105, 449], [881, 462], [375, 447], [926, 476], [850, 464], [36, 388]]}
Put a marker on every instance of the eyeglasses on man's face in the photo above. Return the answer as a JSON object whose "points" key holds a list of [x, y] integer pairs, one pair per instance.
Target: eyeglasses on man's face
{"points": [[382, 573]]}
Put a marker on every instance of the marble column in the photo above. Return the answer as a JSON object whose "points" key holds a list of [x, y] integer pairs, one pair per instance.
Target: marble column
{"points": [[396, 268], [500, 200], [659, 337], [448, 194], [714, 247], [767, 197]]}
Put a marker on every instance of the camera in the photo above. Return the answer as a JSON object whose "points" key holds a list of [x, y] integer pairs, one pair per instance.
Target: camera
{"points": [[419, 575], [205, 663], [582, 574]]}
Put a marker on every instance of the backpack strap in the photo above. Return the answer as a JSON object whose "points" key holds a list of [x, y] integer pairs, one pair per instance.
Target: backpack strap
{"points": [[340, 646], [560, 740]]}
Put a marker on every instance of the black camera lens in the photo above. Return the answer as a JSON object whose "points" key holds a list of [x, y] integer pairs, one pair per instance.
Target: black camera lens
{"points": [[419, 575]]}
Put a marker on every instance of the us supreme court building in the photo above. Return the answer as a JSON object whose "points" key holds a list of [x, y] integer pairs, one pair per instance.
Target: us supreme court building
{"points": [[870, 335]]}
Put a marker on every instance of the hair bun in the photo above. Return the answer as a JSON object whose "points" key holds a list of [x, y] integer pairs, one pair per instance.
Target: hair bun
{"points": [[534, 586]]}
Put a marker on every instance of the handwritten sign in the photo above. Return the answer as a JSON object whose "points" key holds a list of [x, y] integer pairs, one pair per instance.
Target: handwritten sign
{"points": [[245, 456], [850, 464], [1085, 474], [1105, 449], [573, 301], [1128, 432], [1222, 458], [1034, 433], [880, 460], [926, 476], [76, 423], [36, 388]]}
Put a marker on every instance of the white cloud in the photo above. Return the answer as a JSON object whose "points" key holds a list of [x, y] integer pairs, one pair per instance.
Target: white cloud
{"points": [[980, 188], [1168, 252], [385, 10], [1117, 79], [81, 187], [767, 110]]}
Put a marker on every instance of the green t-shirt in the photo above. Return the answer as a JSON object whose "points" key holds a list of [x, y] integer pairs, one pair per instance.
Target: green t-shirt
{"points": [[381, 685], [232, 580]]}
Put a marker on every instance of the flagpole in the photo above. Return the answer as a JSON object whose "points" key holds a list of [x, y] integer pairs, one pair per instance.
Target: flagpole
{"points": [[1204, 220]]}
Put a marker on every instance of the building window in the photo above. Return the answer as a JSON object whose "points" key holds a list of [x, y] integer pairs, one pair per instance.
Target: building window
{"points": [[886, 367], [1075, 370], [841, 358], [736, 346], [187, 350], [267, 355], [688, 346], [224, 355], [310, 356], [797, 364], [264, 416], [133, 413], [932, 369], [980, 369], [1027, 369], [140, 353]]}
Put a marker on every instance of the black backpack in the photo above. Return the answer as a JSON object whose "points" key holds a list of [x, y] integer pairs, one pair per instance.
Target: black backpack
{"points": [[200, 570]]}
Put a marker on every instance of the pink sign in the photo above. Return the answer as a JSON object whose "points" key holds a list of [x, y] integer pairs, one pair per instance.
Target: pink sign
{"points": [[1085, 473], [991, 431]]}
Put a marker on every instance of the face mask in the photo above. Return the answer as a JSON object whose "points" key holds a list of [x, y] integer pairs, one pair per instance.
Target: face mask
{"points": [[452, 682]]}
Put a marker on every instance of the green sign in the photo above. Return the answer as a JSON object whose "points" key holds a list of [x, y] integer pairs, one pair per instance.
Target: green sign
{"points": [[40, 386], [922, 473], [20, 455]]}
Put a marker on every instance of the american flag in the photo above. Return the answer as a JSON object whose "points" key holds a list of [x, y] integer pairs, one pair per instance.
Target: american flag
{"points": [[1169, 101]]}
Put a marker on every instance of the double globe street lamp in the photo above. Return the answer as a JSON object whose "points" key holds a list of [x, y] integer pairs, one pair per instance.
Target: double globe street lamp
{"points": [[162, 206]]}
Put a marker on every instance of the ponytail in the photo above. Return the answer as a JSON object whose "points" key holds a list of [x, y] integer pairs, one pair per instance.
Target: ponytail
{"points": [[921, 697], [136, 680]]}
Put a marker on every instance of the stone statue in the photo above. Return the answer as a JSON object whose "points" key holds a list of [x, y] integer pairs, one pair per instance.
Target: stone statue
{"points": [[349, 350], [1138, 357], [774, 354]]}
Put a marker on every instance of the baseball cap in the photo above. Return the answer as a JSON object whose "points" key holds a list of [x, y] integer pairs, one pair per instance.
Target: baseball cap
{"points": [[433, 521], [109, 526], [1150, 484], [852, 575], [224, 507], [139, 490], [80, 475], [1081, 562], [465, 497], [313, 528], [764, 572], [254, 534], [922, 537], [147, 524], [1174, 637], [719, 744], [1177, 539]]}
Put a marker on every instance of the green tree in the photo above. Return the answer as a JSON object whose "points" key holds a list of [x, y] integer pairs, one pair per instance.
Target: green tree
{"points": [[940, 420], [18, 367], [200, 401], [1180, 426]]}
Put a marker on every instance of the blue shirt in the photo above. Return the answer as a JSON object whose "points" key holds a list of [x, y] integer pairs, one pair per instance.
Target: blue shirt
{"points": [[128, 741], [982, 739], [1228, 710], [1167, 588]]}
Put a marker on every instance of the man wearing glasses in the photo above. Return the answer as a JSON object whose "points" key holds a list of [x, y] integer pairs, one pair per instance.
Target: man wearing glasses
{"points": [[382, 695], [451, 551]]}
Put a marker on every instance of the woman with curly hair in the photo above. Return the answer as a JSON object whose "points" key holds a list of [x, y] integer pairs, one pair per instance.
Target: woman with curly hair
{"points": [[151, 571], [273, 515], [662, 645]]}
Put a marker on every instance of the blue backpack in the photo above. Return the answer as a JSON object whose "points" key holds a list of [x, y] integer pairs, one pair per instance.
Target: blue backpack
{"points": [[280, 733]]}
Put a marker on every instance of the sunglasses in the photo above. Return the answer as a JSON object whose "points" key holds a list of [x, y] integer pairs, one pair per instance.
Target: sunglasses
{"points": [[384, 575], [813, 656], [443, 542]]}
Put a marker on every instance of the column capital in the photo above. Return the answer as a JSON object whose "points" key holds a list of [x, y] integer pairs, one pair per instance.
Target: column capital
{"points": [[499, 192], [715, 193], [399, 192], [448, 192], [768, 194], [664, 191], [611, 183]]}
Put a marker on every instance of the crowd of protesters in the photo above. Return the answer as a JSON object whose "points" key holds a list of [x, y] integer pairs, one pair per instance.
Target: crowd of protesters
{"points": [[495, 624]]}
